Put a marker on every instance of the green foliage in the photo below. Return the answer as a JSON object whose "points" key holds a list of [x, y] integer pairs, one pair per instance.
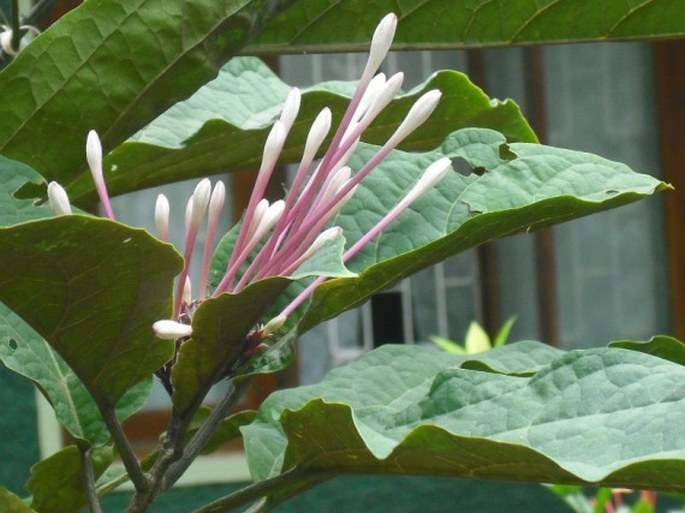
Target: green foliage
{"points": [[218, 343], [115, 65], [100, 286], [56, 483], [406, 409], [79, 294], [10, 503], [224, 125], [315, 25], [27, 353], [516, 193], [476, 340]]}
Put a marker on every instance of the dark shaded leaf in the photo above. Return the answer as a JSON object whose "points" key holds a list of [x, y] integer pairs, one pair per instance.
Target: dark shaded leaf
{"points": [[100, 285]]}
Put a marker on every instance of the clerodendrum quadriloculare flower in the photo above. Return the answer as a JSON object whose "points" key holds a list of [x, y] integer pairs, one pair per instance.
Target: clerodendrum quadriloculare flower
{"points": [[275, 239]]}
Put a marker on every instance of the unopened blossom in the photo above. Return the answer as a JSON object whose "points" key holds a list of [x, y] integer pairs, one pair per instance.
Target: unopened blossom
{"points": [[171, 330], [58, 199], [277, 238], [162, 211]]}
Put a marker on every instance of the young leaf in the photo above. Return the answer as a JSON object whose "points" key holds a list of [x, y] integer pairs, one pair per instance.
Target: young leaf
{"points": [[319, 25], [503, 333], [10, 503], [100, 285], [56, 483], [224, 126], [524, 187], [159, 52], [447, 345], [476, 340], [27, 353], [603, 416]]}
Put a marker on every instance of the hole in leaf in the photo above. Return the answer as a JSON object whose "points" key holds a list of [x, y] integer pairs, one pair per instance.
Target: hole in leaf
{"points": [[505, 152], [13, 344], [32, 190], [462, 167]]}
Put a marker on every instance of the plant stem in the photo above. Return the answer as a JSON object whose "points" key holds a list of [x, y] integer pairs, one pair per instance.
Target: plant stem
{"points": [[89, 480], [15, 24], [287, 484], [128, 457], [193, 448]]}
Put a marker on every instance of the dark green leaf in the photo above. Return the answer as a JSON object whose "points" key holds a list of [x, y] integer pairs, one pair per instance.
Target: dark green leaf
{"points": [[27, 353], [530, 187], [323, 25], [114, 65], [224, 125], [668, 348], [604, 416], [220, 342], [100, 286], [56, 483], [10, 503]]}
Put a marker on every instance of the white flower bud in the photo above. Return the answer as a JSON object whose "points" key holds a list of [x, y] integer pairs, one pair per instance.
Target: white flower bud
{"points": [[94, 156], [317, 134], [272, 146], [290, 109], [58, 199], [323, 238], [187, 292], [380, 43], [383, 97], [216, 202], [198, 203], [418, 113], [431, 176], [370, 93], [273, 325], [162, 210], [171, 330]]}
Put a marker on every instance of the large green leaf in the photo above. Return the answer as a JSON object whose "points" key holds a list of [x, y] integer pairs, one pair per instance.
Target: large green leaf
{"points": [[56, 483], [524, 187], [220, 342], [224, 126], [607, 416], [343, 25], [100, 286], [114, 65], [10, 503], [27, 353]]}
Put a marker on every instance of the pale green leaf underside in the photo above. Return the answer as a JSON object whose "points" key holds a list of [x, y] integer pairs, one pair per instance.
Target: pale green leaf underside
{"points": [[525, 187], [224, 125], [13, 176], [101, 285], [337, 25], [608, 416], [27, 353]]}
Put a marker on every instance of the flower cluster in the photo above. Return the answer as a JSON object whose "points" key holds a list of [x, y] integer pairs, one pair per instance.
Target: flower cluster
{"points": [[275, 239]]}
